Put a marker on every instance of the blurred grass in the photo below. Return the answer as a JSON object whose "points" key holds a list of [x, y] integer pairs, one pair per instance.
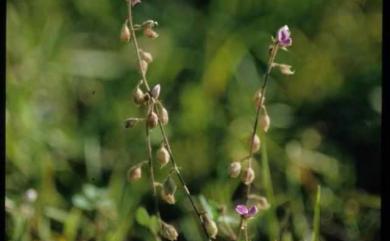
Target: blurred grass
{"points": [[69, 83]]}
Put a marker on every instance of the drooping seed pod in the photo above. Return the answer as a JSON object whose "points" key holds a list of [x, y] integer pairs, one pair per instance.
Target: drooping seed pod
{"points": [[131, 122], [163, 156], [146, 56], [255, 143], [138, 96], [152, 120], [155, 92], [265, 122], [134, 173], [143, 66], [125, 33], [164, 117], [258, 98], [150, 33], [210, 225], [260, 201], [168, 231], [248, 176], [234, 169], [167, 197]]}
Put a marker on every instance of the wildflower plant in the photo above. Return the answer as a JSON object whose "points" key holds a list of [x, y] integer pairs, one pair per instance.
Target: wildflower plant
{"points": [[156, 117], [243, 167]]}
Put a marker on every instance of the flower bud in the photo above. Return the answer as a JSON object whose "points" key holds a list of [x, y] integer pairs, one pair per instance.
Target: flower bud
{"points": [[134, 173], [163, 156], [258, 98], [31, 195], [211, 226], [152, 120], [168, 231], [125, 33], [138, 96], [156, 91], [265, 122], [146, 56], [164, 117], [255, 143], [143, 66], [167, 197], [234, 169], [248, 176], [131, 122], [150, 33], [284, 36]]}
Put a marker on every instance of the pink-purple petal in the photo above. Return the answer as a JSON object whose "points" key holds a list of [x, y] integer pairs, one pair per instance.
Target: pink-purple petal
{"points": [[241, 209], [252, 211]]}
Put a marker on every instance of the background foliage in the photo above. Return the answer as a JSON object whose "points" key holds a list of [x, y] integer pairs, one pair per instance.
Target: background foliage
{"points": [[69, 84]]}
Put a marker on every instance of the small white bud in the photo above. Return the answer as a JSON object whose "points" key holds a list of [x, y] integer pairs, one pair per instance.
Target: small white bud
{"points": [[152, 120], [138, 96], [134, 173], [255, 143], [265, 122], [164, 117], [163, 156], [156, 91], [234, 169], [143, 66], [146, 56], [248, 176]]}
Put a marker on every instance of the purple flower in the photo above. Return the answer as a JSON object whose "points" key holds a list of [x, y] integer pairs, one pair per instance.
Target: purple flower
{"points": [[134, 2], [244, 211], [284, 37]]}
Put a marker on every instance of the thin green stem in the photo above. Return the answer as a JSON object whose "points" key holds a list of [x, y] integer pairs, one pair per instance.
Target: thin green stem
{"points": [[316, 219]]}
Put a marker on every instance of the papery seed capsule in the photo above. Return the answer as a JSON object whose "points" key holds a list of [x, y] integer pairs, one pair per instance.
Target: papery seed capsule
{"points": [[255, 143], [134, 173], [152, 120], [168, 231], [146, 56], [164, 117], [265, 122], [156, 91], [125, 33], [211, 226], [131, 122], [143, 66], [163, 156], [234, 169], [248, 176], [150, 33], [167, 197], [138, 96]]}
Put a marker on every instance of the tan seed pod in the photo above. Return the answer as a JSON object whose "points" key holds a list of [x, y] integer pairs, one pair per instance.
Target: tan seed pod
{"points": [[265, 122], [255, 143], [125, 33], [164, 117], [152, 120], [234, 169], [134, 173], [150, 33], [260, 201], [168, 231], [211, 226], [248, 176], [167, 197], [131, 122], [138, 96], [258, 98], [163, 156], [143, 66], [146, 56]]}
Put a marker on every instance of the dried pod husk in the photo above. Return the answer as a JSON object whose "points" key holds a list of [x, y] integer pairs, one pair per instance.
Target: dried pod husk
{"points": [[150, 33], [284, 68], [164, 117], [169, 186], [248, 175], [125, 33], [234, 169], [134, 173], [155, 92], [163, 156], [138, 96], [265, 122], [255, 144], [146, 56], [152, 119], [131, 122], [211, 226], [168, 231], [167, 197], [260, 201], [143, 66]]}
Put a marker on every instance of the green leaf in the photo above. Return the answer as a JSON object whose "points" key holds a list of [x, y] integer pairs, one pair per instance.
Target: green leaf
{"points": [[154, 224], [316, 219], [142, 217], [81, 202]]}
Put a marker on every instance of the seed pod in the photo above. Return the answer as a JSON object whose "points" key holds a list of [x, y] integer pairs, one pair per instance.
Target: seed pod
{"points": [[146, 56], [138, 96], [260, 201], [248, 176], [150, 33], [152, 120], [255, 143], [211, 226], [125, 33], [258, 98], [265, 122], [168, 231], [156, 91], [143, 66], [164, 117], [134, 173], [234, 169], [131, 122], [169, 186], [169, 198], [163, 156]]}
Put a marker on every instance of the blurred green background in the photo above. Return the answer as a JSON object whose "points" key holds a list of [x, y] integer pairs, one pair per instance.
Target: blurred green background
{"points": [[69, 84]]}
